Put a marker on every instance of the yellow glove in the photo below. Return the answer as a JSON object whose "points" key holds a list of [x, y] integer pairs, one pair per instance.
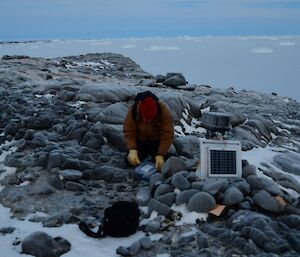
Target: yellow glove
{"points": [[133, 157], [159, 161]]}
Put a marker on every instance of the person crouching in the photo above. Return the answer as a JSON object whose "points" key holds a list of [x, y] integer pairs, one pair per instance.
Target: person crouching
{"points": [[148, 130]]}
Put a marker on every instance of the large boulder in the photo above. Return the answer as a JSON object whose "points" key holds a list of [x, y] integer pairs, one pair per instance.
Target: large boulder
{"points": [[188, 146], [201, 202], [289, 162], [110, 91], [106, 173], [232, 196], [174, 80], [113, 114], [259, 183], [172, 166], [266, 201], [115, 136]]}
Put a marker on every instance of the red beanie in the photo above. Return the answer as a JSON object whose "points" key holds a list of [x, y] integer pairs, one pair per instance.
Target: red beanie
{"points": [[148, 108]]}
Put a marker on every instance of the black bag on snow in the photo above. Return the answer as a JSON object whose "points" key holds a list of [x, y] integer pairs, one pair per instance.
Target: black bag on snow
{"points": [[120, 220]]}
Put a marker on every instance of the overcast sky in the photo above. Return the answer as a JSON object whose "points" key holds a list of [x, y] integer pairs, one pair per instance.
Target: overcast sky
{"points": [[95, 19]]}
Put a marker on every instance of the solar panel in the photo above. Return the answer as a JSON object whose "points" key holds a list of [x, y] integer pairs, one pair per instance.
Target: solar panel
{"points": [[222, 162], [219, 159]]}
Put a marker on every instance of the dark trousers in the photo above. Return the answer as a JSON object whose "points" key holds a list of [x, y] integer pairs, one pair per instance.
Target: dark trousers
{"points": [[147, 149]]}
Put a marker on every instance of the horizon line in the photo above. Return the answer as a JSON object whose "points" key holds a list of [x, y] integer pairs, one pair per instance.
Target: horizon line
{"points": [[186, 37]]}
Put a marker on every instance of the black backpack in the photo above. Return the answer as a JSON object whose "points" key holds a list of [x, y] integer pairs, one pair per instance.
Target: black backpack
{"points": [[120, 220]]}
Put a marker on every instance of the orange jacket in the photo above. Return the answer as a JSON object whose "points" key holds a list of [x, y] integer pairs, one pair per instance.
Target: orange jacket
{"points": [[161, 128]]}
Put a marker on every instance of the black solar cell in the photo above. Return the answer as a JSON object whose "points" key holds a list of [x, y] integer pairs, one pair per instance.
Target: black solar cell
{"points": [[223, 162]]}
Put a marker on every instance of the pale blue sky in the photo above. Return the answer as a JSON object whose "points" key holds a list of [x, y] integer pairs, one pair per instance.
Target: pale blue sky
{"points": [[95, 19]]}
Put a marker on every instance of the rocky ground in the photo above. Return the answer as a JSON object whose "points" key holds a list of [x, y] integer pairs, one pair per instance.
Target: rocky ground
{"points": [[61, 132]]}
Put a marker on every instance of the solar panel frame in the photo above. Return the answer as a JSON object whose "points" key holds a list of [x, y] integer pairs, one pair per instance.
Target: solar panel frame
{"points": [[228, 146]]}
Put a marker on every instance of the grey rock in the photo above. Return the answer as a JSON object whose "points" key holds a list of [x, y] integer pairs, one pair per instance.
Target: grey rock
{"points": [[123, 251], [266, 201], [11, 129], [174, 81], [92, 140], [172, 74], [18, 210], [70, 174], [134, 248], [147, 82], [240, 133], [245, 163], [231, 238], [46, 190], [212, 230], [180, 182], [143, 196], [56, 182], [115, 137], [248, 170], [66, 96], [201, 202], [29, 134], [245, 205], [260, 126], [94, 93], [176, 103], [256, 235], [167, 199], [192, 177], [292, 220], [242, 185], [214, 186], [40, 244], [155, 180], [76, 131], [184, 196], [7, 230], [73, 186], [197, 185], [53, 221], [113, 114], [152, 226], [159, 78], [160, 208], [289, 162], [172, 166], [14, 160], [163, 189], [202, 240], [72, 163], [232, 196], [250, 248], [106, 173], [56, 159], [39, 139], [284, 179], [146, 243], [236, 117], [188, 146], [294, 241], [259, 183]]}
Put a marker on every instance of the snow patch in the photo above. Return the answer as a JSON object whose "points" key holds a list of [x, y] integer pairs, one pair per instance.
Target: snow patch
{"points": [[100, 43], [129, 46], [162, 48], [262, 50], [187, 216], [287, 43], [82, 245]]}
